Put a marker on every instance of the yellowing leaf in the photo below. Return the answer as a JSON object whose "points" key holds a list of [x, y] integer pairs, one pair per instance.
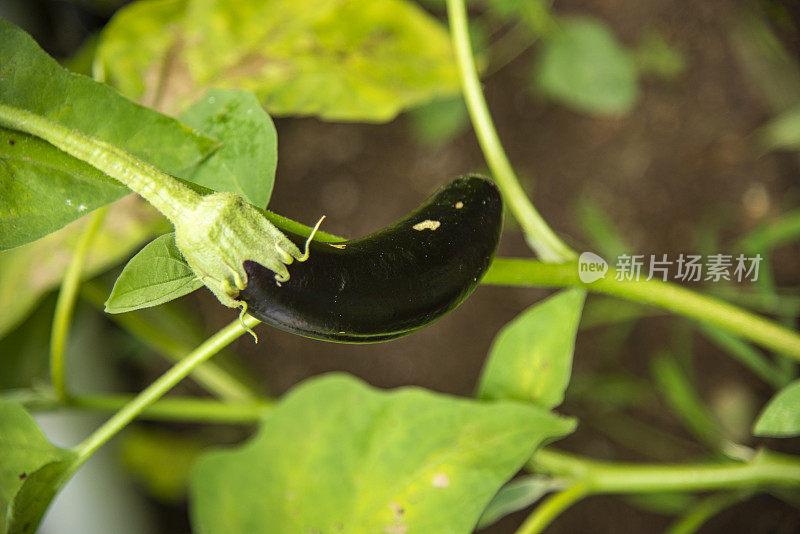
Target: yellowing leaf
{"points": [[338, 456], [349, 60]]}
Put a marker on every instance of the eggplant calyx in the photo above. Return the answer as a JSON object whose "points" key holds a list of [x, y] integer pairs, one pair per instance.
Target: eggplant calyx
{"points": [[223, 232]]}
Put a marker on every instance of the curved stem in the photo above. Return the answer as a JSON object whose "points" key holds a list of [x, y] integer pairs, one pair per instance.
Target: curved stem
{"points": [[165, 193], [765, 469], [710, 310], [541, 237], [163, 384], [66, 304], [545, 513], [209, 375]]}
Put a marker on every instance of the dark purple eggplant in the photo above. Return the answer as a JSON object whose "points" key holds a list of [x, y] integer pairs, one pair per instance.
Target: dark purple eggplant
{"points": [[392, 282]]}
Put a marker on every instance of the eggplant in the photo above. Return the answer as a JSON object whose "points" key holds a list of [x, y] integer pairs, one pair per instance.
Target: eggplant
{"points": [[390, 283]]}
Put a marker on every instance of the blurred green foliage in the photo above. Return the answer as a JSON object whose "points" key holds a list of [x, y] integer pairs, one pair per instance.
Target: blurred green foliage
{"points": [[348, 61]]}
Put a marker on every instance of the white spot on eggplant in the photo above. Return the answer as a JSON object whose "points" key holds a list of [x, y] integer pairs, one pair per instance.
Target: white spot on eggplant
{"points": [[427, 224]]}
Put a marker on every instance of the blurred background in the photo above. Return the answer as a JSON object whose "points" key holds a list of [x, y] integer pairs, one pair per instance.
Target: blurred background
{"points": [[686, 142]]}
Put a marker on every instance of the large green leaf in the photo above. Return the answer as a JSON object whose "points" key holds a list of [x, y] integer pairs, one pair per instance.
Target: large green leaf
{"points": [[781, 417], [583, 66], [531, 358], [42, 188], [30, 271], [338, 456], [157, 274], [30, 470], [337, 59], [245, 164]]}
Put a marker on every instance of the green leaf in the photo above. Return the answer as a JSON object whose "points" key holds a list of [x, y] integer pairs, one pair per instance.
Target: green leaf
{"points": [[608, 311], [747, 355], [531, 358], [514, 496], [42, 188], [245, 164], [34, 497], [347, 60], [583, 66], [781, 417], [782, 132], [662, 503], [610, 391], [601, 230], [157, 274], [685, 402], [30, 470], [773, 234], [30, 271], [655, 55], [764, 59], [438, 122], [338, 456]]}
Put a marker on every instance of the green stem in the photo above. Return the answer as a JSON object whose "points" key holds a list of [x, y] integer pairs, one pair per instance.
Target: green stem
{"points": [[697, 515], [765, 469], [709, 310], [183, 409], [209, 375], [66, 304], [163, 384], [165, 193], [545, 513], [541, 237]]}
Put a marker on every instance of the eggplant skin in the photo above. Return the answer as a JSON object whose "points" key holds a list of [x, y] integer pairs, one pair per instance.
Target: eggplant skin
{"points": [[392, 282]]}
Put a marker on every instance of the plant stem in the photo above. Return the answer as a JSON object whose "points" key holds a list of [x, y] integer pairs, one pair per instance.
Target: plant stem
{"points": [[163, 384], [765, 469], [66, 304], [697, 515], [545, 513], [209, 375], [524, 272], [183, 409], [544, 241], [165, 193]]}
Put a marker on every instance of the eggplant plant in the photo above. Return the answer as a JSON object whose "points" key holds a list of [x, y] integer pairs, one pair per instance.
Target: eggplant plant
{"points": [[334, 454]]}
